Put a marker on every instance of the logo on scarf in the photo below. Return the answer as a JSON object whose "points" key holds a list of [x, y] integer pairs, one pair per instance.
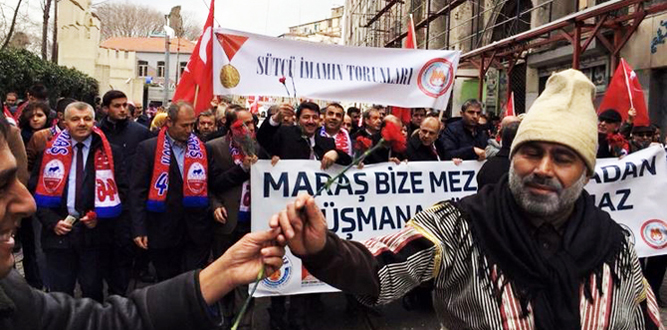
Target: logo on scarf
{"points": [[654, 233], [435, 77], [54, 173], [281, 276], [196, 178]]}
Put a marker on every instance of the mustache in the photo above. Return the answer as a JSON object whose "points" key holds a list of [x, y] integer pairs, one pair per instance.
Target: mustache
{"points": [[552, 183]]}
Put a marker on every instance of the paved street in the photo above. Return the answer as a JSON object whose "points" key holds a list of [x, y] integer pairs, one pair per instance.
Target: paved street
{"points": [[332, 315]]}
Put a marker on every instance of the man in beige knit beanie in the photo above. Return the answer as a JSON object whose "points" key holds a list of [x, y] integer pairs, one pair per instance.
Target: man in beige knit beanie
{"points": [[532, 250]]}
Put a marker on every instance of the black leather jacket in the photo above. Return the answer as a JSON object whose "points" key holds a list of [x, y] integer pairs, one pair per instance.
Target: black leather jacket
{"points": [[173, 304]]}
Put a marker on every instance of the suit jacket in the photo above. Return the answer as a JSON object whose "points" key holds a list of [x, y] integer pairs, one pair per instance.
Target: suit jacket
{"points": [[80, 235], [228, 196], [177, 224], [287, 142], [459, 142], [418, 152]]}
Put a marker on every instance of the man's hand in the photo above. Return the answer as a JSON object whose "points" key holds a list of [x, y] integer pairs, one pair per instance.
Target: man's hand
{"points": [[248, 161], [303, 226], [62, 228], [395, 160], [457, 161], [632, 113], [481, 154], [329, 159], [142, 242], [285, 110], [88, 222], [220, 215], [274, 160], [241, 264]]}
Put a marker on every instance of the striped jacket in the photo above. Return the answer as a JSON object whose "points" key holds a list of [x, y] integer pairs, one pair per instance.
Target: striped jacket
{"points": [[437, 244]]}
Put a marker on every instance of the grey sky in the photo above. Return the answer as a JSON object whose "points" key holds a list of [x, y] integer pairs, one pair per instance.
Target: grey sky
{"points": [[270, 17]]}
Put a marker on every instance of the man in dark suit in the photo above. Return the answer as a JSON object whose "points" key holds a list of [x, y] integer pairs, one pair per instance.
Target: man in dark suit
{"points": [[297, 142], [300, 141], [231, 204], [123, 132], [74, 249], [465, 139], [177, 237], [423, 145]]}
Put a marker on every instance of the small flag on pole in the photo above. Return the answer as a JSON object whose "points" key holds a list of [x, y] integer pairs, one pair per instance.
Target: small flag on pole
{"points": [[625, 93]]}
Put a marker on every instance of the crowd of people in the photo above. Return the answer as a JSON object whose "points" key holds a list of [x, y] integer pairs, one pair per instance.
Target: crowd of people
{"points": [[118, 188]]}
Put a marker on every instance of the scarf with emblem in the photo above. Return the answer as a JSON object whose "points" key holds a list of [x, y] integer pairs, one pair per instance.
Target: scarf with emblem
{"points": [[342, 138], [195, 174], [56, 167]]}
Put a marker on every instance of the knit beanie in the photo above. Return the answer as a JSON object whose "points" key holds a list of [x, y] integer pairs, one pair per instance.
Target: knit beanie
{"points": [[563, 114]]}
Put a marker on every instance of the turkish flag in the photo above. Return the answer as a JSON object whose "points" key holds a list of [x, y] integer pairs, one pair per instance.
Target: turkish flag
{"points": [[196, 84], [509, 107], [625, 92], [253, 104], [410, 43]]}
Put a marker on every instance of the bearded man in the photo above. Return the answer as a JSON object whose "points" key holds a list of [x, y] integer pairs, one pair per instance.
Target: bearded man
{"points": [[531, 252]]}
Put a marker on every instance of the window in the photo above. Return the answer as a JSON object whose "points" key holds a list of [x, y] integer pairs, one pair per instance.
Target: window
{"points": [[160, 68], [182, 68], [143, 68]]}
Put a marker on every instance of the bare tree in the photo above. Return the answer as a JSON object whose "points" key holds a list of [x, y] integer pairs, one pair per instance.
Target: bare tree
{"points": [[46, 8], [54, 43], [133, 20], [128, 20], [192, 26], [11, 27]]}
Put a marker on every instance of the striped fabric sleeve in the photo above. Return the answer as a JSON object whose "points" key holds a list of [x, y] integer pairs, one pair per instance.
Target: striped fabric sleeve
{"points": [[384, 268], [647, 312]]}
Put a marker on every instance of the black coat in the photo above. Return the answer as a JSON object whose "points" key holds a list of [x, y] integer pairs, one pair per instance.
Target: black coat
{"points": [[459, 141], [127, 135], [494, 168], [287, 142], [80, 234], [417, 152], [155, 307], [177, 224]]}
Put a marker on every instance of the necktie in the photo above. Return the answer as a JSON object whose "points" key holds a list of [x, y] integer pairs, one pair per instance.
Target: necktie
{"points": [[79, 177]]}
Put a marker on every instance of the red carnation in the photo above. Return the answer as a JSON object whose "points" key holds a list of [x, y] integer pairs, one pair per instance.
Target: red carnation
{"points": [[391, 133], [282, 80], [362, 143], [91, 215]]}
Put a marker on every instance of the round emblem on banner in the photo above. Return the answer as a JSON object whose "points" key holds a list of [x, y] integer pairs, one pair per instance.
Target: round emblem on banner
{"points": [[654, 233], [196, 178], [54, 174], [435, 77], [628, 232], [281, 276], [229, 76]]}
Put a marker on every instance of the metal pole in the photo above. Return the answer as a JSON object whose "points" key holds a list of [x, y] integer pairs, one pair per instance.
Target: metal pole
{"points": [[428, 25], [577, 48], [165, 101], [480, 87]]}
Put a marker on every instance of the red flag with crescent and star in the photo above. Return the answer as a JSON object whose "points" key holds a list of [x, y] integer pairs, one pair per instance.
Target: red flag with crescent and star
{"points": [[196, 84], [625, 92]]}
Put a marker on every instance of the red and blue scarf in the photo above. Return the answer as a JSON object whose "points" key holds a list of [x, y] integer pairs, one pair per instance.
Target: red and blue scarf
{"points": [[55, 171], [244, 208], [195, 174]]}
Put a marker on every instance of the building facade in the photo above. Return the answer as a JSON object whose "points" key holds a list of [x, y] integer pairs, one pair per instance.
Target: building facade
{"points": [[79, 47], [514, 46], [151, 62], [327, 31]]}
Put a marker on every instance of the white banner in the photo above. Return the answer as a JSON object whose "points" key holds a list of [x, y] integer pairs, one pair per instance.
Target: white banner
{"points": [[252, 64], [632, 190], [380, 198]]}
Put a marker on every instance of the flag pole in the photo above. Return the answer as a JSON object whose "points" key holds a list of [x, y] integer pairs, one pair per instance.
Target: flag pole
{"points": [[627, 83], [196, 94]]}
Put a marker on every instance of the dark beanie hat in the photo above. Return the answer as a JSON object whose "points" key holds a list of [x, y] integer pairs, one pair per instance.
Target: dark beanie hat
{"points": [[610, 116]]}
